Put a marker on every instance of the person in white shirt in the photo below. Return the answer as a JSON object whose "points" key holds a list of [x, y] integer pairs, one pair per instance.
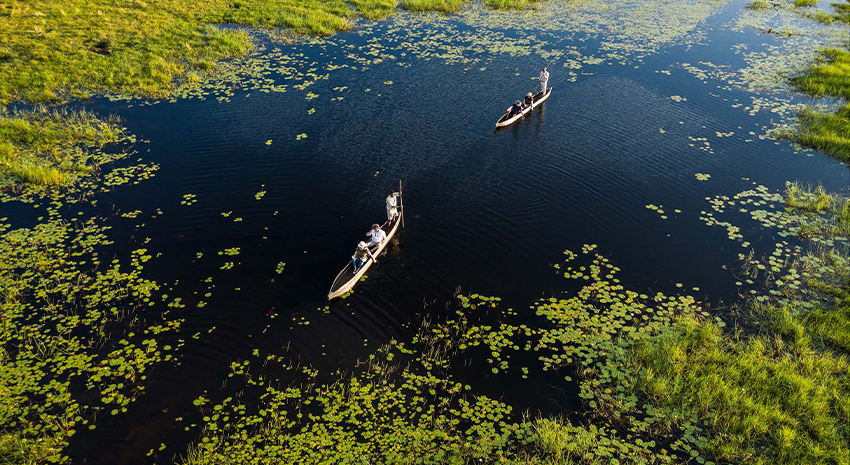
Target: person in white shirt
{"points": [[377, 235], [392, 204], [544, 79]]}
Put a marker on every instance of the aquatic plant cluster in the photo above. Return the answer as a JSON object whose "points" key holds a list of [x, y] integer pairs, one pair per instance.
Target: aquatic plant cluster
{"points": [[76, 339], [819, 71], [663, 379]]}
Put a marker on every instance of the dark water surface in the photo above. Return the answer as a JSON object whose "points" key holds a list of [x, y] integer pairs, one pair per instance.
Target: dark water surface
{"points": [[487, 212]]}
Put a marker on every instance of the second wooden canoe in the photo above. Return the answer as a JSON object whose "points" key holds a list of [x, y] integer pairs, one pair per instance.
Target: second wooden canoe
{"points": [[539, 98]]}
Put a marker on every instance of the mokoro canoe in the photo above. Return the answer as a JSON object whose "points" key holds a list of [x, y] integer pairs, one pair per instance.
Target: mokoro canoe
{"points": [[348, 277], [539, 98]]}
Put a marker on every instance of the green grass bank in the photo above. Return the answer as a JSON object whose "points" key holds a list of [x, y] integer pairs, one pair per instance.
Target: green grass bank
{"points": [[54, 52], [829, 76], [45, 147]]}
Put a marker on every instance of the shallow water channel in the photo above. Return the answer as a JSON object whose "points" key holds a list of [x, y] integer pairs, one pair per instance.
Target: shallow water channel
{"points": [[489, 212]]}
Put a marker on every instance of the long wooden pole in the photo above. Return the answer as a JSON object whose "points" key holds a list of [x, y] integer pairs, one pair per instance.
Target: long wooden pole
{"points": [[401, 203]]}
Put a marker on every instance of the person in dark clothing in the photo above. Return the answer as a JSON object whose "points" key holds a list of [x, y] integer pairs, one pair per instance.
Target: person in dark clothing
{"points": [[529, 100], [515, 109]]}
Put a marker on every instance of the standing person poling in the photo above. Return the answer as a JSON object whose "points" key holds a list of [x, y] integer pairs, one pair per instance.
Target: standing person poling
{"points": [[376, 236], [359, 257], [392, 207], [544, 80]]}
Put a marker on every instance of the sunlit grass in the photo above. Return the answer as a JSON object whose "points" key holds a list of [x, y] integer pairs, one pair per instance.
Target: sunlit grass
{"points": [[556, 441], [827, 132], [841, 13], [759, 5], [763, 400], [829, 77], [17, 450], [49, 148], [509, 4], [802, 3], [375, 9], [808, 199], [445, 6], [55, 50]]}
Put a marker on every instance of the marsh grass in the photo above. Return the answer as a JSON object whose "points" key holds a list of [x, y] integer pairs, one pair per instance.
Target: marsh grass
{"points": [[57, 50], [557, 441], [778, 392], [17, 450], [444, 6], [52, 147], [375, 9], [841, 12], [763, 400], [829, 214], [829, 77], [759, 5], [827, 132], [804, 3], [509, 4]]}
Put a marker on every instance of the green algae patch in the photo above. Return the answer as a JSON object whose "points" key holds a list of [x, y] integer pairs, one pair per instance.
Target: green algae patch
{"points": [[54, 147]]}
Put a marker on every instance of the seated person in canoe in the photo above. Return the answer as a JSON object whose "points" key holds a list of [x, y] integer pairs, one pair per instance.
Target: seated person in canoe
{"points": [[376, 236], [515, 109], [359, 257], [529, 100]]}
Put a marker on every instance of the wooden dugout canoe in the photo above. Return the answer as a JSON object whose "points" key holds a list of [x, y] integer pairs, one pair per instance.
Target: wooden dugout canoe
{"points": [[348, 277], [539, 98]]}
